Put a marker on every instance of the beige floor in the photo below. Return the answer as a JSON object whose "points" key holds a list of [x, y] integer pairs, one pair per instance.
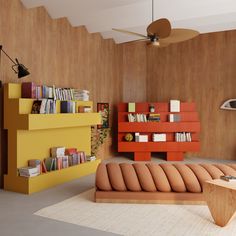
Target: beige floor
{"points": [[16, 210]]}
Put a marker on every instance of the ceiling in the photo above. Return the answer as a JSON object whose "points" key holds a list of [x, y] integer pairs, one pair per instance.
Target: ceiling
{"points": [[134, 15]]}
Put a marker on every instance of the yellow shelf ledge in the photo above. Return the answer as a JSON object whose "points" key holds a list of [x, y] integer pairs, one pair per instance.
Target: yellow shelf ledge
{"points": [[50, 179], [52, 121]]}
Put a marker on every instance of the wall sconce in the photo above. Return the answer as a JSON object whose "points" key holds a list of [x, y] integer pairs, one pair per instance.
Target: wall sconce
{"points": [[229, 104], [19, 69]]}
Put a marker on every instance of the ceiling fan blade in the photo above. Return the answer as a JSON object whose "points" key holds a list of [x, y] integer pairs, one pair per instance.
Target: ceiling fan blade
{"points": [[131, 33], [161, 28], [133, 41], [179, 35]]}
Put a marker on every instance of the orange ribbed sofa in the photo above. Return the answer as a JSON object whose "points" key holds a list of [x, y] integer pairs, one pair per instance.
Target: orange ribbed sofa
{"points": [[156, 183]]}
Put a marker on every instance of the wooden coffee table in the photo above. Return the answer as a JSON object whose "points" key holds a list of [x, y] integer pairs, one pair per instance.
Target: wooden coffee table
{"points": [[220, 196]]}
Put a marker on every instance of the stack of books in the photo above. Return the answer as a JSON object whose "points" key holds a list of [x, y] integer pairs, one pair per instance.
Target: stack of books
{"points": [[154, 117], [80, 94], [228, 178], [28, 171], [159, 137]]}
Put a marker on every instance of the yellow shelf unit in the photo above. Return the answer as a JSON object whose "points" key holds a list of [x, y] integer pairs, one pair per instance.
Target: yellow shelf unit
{"points": [[30, 136]]}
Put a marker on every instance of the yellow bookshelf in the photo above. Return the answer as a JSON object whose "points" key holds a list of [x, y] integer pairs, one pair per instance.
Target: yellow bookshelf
{"points": [[30, 136]]}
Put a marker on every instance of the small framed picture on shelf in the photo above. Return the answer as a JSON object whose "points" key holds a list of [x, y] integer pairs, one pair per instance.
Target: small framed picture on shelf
{"points": [[103, 109]]}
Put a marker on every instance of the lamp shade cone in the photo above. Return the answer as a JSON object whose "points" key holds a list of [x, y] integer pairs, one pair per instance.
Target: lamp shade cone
{"points": [[22, 71]]}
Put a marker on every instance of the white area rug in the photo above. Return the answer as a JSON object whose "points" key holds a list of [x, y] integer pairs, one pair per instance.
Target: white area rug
{"points": [[137, 219]]}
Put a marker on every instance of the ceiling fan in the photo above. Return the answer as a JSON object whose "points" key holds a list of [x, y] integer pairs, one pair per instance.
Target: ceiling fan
{"points": [[160, 33]]}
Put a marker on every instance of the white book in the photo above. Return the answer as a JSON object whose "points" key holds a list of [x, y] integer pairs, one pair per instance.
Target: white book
{"points": [[174, 105], [43, 106]]}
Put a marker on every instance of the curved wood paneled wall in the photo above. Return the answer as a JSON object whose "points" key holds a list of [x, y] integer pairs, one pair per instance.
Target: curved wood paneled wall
{"points": [[201, 70], [57, 53]]}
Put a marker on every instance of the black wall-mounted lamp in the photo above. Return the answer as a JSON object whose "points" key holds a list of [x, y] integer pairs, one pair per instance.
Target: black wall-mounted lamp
{"points": [[21, 70]]}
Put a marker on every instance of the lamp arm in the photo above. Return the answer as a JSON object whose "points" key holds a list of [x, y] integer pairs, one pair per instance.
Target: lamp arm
{"points": [[7, 55]]}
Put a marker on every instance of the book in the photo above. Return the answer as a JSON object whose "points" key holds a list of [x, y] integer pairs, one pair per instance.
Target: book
{"points": [[174, 118], [35, 163], [44, 169], [228, 178], [57, 151], [65, 162], [174, 106], [70, 151], [28, 171], [131, 107], [28, 90], [48, 163], [36, 107]]}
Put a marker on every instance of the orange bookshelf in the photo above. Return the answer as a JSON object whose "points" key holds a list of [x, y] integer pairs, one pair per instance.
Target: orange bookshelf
{"points": [[175, 150]]}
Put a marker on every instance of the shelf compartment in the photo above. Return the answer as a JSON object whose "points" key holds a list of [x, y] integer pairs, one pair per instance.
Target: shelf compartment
{"points": [[159, 127], [158, 146], [159, 106], [184, 116], [50, 179]]}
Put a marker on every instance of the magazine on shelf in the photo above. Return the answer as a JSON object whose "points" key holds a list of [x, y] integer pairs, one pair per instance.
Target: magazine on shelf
{"points": [[228, 178]]}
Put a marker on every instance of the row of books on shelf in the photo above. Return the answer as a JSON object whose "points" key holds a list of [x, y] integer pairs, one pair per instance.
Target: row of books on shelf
{"points": [[183, 137], [44, 106], [48, 106], [31, 90], [152, 117], [143, 117], [60, 158], [160, 137]]}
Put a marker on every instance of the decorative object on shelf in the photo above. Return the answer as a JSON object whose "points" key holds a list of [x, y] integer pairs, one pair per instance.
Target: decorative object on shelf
{"points": [[103, 109], [141, 137], [129, 137], [151, 108], [21, 69], [98, 136], [229, 104]]}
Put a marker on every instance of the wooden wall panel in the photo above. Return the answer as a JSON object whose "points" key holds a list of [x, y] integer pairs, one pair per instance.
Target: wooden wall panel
{"points": [[134, 72], [201, 70], [57, 53]]}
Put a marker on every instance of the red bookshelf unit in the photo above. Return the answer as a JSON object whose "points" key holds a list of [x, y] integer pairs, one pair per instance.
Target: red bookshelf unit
{"points": [[175, 149]]}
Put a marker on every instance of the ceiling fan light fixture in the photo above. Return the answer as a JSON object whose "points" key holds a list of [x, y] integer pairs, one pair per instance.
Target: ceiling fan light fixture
{"points": [[156, 43], [160, 33]]}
